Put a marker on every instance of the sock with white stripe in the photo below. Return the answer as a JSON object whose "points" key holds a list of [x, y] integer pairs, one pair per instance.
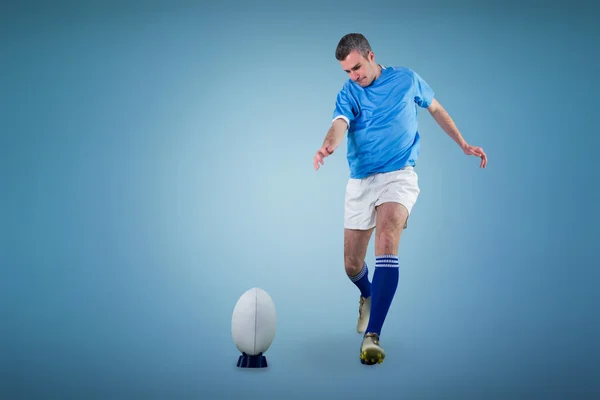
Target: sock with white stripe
{"points": [[361, 280], [385, 283]]}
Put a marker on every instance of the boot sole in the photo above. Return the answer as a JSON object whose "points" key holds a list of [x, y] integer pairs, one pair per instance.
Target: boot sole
{"points": [[371, 356]]}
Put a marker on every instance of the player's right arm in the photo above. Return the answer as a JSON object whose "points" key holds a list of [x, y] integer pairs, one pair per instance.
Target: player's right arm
{"points": [[334, 137], [343, 115]]}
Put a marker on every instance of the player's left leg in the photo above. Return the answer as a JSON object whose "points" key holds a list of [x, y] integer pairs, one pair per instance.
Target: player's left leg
{"points": [[391, 219], [398, 194]]}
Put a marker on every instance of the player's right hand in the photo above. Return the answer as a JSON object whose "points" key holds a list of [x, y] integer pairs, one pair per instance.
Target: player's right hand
{"points": [[325, 151]]}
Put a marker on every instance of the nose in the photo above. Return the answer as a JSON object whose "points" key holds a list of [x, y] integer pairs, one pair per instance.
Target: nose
{"points": [[354, 76]]}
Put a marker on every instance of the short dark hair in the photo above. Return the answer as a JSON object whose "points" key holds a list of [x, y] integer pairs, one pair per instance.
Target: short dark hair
{"points": [[351, 42]]}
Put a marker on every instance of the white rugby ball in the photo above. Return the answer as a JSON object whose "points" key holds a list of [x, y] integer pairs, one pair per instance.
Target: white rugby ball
{"points": [[254, 322]]}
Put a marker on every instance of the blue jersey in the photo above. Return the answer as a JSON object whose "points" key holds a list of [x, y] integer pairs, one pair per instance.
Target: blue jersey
{"points": [[383, 131]]}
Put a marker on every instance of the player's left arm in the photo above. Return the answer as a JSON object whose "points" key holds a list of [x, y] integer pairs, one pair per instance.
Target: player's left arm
{"points": [[443, 119]]}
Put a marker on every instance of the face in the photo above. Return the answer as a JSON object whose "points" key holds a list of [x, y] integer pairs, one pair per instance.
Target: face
{"points": [[360, 69]]}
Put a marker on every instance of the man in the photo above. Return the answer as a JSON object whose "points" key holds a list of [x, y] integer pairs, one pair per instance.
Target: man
{"points": [[378, 108]]}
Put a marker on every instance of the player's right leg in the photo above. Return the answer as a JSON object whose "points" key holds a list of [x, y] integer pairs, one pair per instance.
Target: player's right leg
{"points": [[359, 223], [356, 242]]}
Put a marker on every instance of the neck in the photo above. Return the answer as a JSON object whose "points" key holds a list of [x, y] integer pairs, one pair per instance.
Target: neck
{"points": [[379, 69]]}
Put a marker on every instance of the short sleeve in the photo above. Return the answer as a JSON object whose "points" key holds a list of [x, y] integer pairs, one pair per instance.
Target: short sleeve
{"points": [[344, 106], [423, 93]]}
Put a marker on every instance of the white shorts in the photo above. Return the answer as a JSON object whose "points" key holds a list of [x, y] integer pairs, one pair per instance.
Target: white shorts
{"points": [[363, 195]]}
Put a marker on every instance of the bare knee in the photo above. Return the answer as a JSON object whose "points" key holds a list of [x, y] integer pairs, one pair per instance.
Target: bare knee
{"points": [[355, 249], [387, 241], [353, 264]]}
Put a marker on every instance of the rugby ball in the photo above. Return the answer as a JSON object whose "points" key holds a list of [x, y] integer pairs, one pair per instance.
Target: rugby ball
{"points": [[254, 321]]}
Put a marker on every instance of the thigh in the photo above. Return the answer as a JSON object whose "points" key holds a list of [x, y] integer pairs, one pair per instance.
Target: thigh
{"points": [[391, 216], [356, 242], [400, 187], [391, 220]]}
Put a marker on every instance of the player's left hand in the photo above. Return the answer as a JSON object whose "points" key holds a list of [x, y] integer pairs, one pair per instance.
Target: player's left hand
{"points": [[476, 151]]}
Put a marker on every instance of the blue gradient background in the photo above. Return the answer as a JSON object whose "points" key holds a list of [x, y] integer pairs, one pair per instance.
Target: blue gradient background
{"points": [[156, 162]]}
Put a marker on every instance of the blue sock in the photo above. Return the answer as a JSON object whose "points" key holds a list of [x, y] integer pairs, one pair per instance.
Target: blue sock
{"points": [[385, 283], [362, 281]]}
